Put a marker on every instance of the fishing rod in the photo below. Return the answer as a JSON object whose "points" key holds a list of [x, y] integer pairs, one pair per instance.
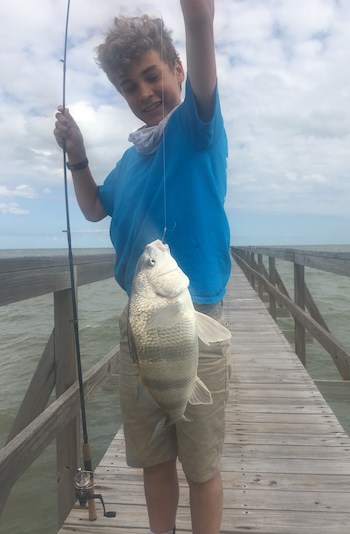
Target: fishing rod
{"points": [[83, 480]]}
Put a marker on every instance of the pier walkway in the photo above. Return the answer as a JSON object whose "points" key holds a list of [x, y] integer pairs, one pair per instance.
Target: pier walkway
{"points": [[286, 460]]}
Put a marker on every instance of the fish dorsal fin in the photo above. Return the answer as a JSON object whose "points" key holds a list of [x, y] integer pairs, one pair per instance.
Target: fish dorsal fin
{"points": [[200, 393], [209, 330], [166, 316]]}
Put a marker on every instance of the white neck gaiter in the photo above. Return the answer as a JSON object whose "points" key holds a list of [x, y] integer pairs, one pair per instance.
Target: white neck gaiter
{"points": [[147, 138]]}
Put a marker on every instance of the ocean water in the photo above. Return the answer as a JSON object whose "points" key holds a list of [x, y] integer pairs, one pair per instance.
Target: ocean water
{"points": [[25, 329], [26, 326]]}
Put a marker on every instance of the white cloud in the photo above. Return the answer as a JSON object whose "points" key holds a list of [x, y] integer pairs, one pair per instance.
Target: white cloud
{"points": [[25, 191], [12, 209]]}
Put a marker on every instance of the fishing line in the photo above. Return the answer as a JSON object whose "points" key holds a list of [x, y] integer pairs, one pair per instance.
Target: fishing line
{"points": [[87, 461], [163, 137]]}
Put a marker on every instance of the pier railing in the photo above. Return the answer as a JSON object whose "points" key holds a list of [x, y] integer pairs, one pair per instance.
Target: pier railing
{"points": [[259, 265], [37, 424]]}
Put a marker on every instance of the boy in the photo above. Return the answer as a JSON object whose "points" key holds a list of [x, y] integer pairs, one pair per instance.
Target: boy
{"points": [[180, 197]]}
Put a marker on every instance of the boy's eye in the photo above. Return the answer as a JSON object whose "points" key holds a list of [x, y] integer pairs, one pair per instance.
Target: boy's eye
{"points": [[153, 77], [128, 89]]}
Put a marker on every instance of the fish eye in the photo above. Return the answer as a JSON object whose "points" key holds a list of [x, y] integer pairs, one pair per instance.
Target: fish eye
{"points": [[151, 262]]}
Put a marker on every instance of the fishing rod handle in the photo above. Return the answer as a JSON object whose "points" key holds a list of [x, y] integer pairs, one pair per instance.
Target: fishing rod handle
{"points": [[92, 509], [87, 463]]}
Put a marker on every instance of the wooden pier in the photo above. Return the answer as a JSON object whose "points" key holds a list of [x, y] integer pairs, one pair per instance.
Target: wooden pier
{"points": [[286, 460]]}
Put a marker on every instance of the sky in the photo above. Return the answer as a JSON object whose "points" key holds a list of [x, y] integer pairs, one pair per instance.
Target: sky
{"points": [[284, 82]]}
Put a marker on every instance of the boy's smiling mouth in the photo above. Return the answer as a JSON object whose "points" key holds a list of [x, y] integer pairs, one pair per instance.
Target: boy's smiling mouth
{"points": [[152, 107]]}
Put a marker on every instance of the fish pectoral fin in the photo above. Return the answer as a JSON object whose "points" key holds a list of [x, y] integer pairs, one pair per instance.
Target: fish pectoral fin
{"points": [[209, 330], [166, 317], [200, 393]]}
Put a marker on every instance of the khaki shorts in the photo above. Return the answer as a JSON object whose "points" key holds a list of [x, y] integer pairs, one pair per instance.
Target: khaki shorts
{"points": [[198, 442]]}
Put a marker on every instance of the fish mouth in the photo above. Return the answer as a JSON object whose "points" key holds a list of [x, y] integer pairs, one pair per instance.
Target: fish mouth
{"points": [[159, 244], [172, 283], [176, 269]]}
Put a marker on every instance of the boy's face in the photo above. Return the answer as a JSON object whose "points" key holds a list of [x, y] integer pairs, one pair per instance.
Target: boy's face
{"points": [[151, 88]]}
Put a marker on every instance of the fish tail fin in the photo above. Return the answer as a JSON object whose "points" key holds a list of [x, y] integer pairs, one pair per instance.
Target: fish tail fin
{"points": [[166, 422], [200, 393]]}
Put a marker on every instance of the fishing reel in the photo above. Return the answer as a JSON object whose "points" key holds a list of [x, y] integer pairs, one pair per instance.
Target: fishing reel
{"points": [[84, 491]]}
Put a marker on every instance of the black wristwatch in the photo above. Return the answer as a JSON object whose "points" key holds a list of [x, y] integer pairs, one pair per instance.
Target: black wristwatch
{"points": [[78, 166]]}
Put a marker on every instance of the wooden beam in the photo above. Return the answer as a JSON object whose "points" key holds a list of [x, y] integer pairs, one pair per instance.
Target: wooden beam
{"points": [[313, 309], [299, 299], [39, 391], [68, 439], [331, 262], [272, 278], [23, 278]]}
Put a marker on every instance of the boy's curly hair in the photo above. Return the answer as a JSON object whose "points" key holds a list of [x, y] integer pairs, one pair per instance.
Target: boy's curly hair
{"points": [[129, 39]]}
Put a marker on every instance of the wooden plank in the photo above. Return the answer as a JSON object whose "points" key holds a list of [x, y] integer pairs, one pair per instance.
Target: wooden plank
{"points": [[23, 278], [24, 285], [34, 263], [281, 439], [309, 419], [331, 262], [304, 450]]}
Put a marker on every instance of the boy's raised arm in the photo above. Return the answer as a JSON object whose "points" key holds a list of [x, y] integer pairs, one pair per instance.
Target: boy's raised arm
{"points": [[200, 52]]}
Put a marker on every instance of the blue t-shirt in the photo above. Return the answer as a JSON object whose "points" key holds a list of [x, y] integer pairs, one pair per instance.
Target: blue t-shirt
{"points": [[194, 175]]}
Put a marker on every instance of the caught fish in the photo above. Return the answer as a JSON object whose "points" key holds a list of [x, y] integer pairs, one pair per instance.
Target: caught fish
{"points": [[163, 335]]}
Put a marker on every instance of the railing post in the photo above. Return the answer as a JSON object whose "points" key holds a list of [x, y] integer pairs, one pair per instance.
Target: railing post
{"points": [[261, 271], [67, 442], [251, 263], [272, 277], [299, 298]]}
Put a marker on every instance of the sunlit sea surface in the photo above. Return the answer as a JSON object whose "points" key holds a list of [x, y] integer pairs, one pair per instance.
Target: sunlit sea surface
{"points": [[26, 327]]}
